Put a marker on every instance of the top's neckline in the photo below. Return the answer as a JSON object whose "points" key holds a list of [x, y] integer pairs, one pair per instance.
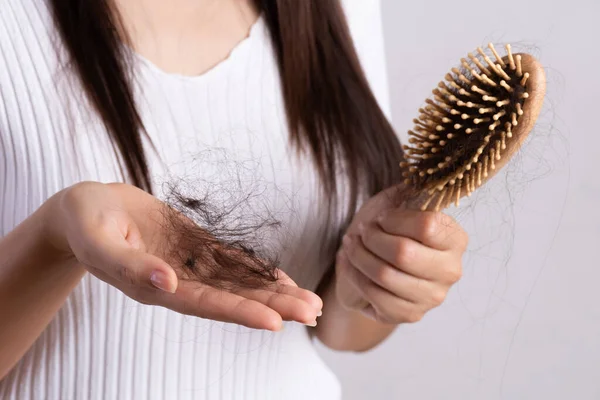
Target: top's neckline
{"points": [[233, 54]]}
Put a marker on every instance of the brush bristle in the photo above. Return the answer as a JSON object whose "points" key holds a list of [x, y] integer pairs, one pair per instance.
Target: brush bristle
{"points": [[465, 127]]}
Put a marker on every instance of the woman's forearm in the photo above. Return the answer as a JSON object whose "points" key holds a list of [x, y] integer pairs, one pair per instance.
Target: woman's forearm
{"points": [[346, 330], [35, 280]]}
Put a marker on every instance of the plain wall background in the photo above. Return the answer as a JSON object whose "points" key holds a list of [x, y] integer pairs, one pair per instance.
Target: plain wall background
{"points": [[524, 322]]}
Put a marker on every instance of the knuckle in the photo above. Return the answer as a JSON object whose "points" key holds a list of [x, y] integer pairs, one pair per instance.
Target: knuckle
{"points": [[405, 252], [384, 275], [431, 224], [414, 315], [454, 273], [239, 307], [438, 296], [194, 305]]}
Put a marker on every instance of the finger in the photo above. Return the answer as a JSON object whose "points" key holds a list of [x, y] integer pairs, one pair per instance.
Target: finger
{"points": [[306, 295], [433, 229], [390, 308], [289, 307], [219, 305], [406, 254], [401, 284], [286, 285]]}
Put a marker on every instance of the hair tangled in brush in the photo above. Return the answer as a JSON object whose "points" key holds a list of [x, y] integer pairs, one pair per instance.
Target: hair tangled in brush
{"points": [[478, 117]]}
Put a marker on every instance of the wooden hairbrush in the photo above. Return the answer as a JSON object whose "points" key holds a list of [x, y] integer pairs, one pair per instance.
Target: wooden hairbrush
{"points": [[476, 120]]}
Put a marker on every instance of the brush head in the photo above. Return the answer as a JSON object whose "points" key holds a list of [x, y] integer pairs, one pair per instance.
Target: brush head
{"points": [[476, 120]]}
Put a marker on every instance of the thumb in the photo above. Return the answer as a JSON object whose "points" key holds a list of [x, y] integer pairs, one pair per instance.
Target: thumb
{"points": [[163, 277], [135, 267]]}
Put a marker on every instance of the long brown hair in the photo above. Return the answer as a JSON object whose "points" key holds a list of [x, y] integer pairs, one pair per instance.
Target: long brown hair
{"points": [[331, 110]]}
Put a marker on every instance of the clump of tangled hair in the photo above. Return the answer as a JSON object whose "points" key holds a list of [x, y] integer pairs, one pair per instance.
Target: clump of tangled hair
{"points": [[209, 248]]}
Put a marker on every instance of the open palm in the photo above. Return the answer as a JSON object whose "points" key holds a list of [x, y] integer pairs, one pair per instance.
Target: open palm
{"points": [[116, 232]]}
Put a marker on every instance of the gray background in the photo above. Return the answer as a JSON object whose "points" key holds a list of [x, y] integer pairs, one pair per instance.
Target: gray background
{"points": [[524, 322]]}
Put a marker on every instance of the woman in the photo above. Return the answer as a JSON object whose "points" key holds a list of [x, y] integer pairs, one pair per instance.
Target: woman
{"points": [[262, 99]]}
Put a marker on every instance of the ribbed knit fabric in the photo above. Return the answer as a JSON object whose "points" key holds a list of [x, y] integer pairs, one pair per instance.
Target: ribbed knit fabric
{"points": [[222, 132]]}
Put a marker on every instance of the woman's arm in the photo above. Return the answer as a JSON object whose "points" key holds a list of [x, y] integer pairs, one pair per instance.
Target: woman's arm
{"points": [[116, 232], [35, 280]]}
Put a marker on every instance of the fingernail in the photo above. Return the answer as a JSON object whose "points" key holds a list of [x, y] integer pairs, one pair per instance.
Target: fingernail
{"points": [[361, 227], [320, 313], [312, 324], [160, 280]]}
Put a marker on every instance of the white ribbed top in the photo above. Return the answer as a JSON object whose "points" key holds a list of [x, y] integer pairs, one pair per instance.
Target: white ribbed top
{"points": [[223, 127]]}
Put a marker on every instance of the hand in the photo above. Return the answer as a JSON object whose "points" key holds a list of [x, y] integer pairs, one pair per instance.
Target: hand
{"points": [[396, 264], [115, 231]]}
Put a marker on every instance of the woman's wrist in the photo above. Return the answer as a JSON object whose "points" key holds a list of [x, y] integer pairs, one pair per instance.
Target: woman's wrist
{"points": [[51, 225], [343, 329]]}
